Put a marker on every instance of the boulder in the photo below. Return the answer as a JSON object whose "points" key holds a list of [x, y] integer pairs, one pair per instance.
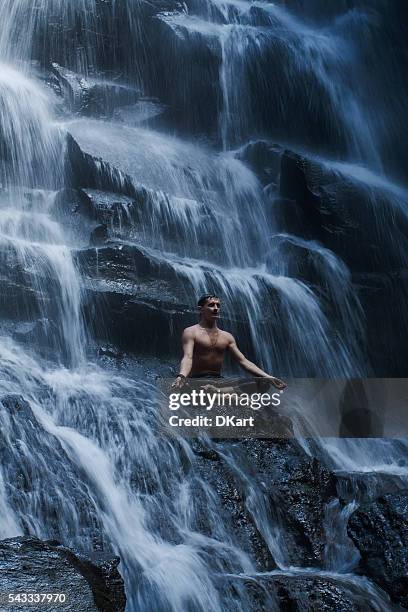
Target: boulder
{"points": [[379, 530], [115, 261], [91, 96], [84, 170], [30, 565], [310, 593]]}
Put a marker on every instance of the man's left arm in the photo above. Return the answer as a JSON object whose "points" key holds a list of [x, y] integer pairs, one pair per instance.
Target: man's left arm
{"points": [[249, 366]]}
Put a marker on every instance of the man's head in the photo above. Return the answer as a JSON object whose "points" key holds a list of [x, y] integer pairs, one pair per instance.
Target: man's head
{"points": [[209, 307]]}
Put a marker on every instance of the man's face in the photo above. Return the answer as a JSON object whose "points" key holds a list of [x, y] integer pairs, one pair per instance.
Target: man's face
{"points": [[211, 309]]}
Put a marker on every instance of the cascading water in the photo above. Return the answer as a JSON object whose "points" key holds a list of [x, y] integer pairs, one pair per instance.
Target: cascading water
{"points": [[113, 482]]}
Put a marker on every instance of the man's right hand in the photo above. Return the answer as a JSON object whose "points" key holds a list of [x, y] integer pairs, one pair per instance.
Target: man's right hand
{"points": [[179, 382], [278, 383]]}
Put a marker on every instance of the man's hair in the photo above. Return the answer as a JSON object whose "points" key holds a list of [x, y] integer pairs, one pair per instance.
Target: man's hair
{"points": [[204, 298]]}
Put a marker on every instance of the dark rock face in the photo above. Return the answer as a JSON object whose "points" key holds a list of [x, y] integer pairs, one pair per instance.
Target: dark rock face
{"points": [[99, 235], [380, 532], [30, 565], [212, 469], [299, 488], [383, 298], [70, 201], [25, 294], [345, 213], [131, 299], [180, 84]]}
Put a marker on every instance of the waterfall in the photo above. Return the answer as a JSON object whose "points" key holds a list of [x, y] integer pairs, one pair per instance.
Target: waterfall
{"points": [[201, 216]]}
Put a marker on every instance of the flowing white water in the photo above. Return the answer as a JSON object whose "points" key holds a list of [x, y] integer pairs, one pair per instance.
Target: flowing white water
{"points": [[30, 148]]}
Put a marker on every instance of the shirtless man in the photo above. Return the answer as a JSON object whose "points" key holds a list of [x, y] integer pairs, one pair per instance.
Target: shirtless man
{"points": [[204, 347]]}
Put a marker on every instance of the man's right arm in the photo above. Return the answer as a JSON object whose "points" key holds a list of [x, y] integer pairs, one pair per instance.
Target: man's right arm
{"points": [[187, 341]]}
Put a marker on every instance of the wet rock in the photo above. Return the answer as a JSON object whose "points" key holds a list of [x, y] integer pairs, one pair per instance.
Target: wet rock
{"points": [[131, 299], [123, 262], [72, 201], [287, 216], [84, 170], [264, 158], [294, 490], [145, 319], [110, 351], [135, 298], [311, 593], [99, 235], [346, 215], [194, 96], [26, 290], [115, 209], [153, 7], [91, 96], [300, 260], [86, 210], [145, 111], [35, 332], [380, 532], [30, 565], [18, 300], [73, 210]]}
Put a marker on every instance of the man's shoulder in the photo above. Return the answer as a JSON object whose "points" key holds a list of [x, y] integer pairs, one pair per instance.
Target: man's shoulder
{"points": [[227, 335], [190, 331]]}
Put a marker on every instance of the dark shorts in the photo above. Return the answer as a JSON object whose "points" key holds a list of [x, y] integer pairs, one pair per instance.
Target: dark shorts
{"points": [[206, 375]]}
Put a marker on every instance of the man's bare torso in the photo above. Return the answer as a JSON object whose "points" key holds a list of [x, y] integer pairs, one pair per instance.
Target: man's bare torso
{"points": [[209, 349]]}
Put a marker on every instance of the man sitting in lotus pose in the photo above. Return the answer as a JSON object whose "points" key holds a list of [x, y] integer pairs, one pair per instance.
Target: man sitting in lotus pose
{"points": [[204, 346]]}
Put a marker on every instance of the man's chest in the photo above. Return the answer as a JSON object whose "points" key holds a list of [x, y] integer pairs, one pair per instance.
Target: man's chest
{"points": [[207, 341]]}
